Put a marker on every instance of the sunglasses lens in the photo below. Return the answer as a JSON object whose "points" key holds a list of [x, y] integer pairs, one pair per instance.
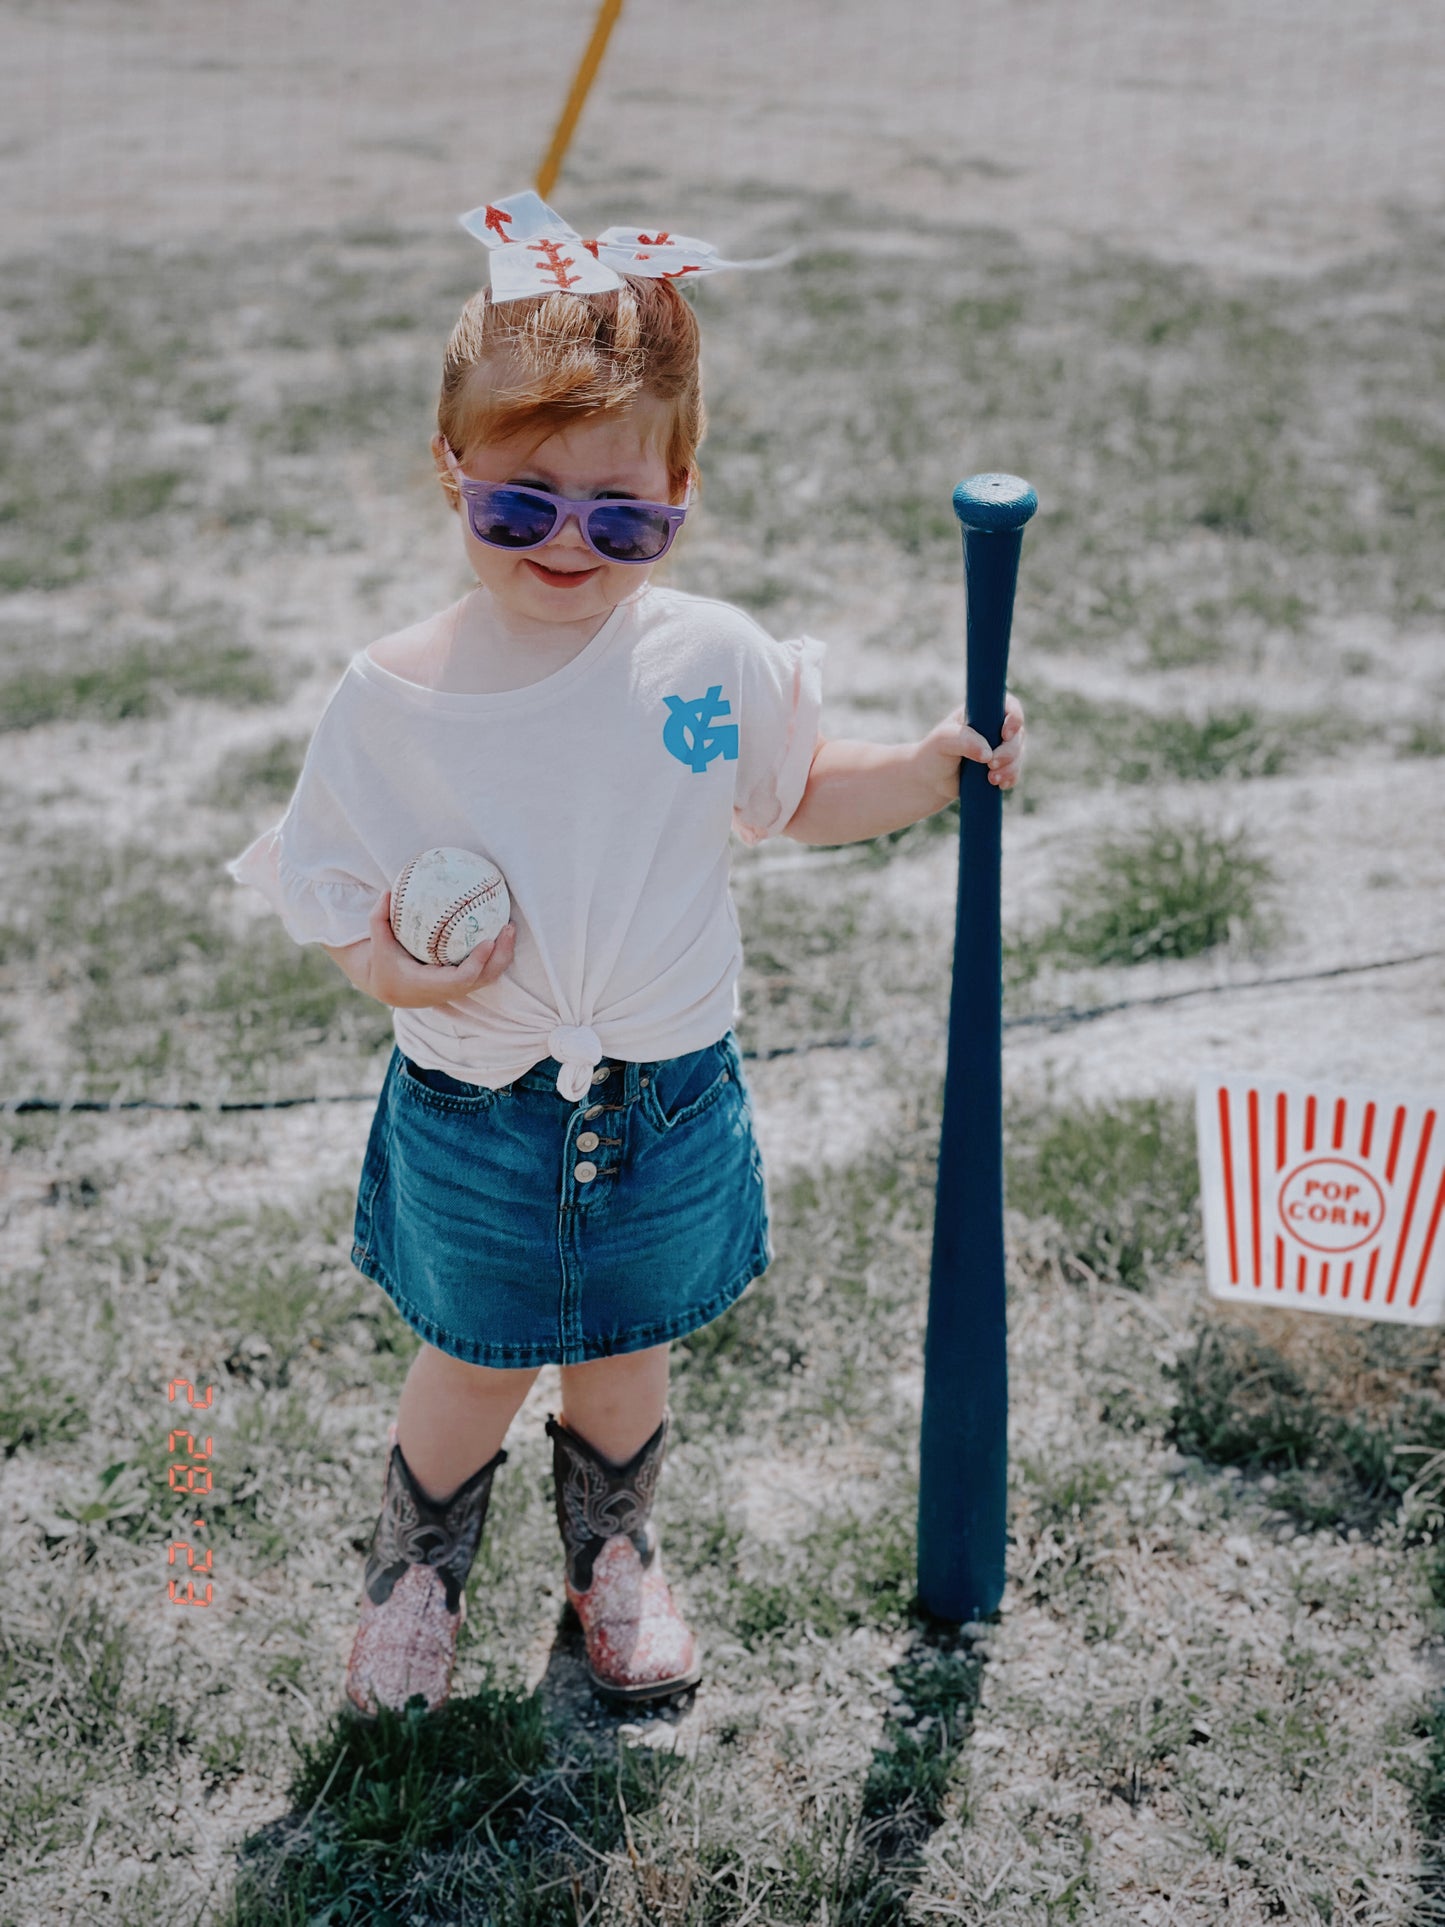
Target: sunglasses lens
{"points": [[511, 518], [625, 532]]}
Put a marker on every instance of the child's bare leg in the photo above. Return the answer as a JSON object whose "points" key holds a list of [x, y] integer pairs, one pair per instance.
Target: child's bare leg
{"points": [[454, 1416], [616, 1404]]}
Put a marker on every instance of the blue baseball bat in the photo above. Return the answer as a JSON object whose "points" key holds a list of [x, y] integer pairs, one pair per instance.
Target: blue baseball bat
{"points": [[963, 1444]]}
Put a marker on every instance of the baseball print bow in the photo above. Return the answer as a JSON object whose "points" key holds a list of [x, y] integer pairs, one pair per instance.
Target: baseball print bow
{"points": [[535, 252]]}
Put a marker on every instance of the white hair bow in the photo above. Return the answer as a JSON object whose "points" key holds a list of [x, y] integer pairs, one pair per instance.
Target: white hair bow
{"points": [[535, 252]]}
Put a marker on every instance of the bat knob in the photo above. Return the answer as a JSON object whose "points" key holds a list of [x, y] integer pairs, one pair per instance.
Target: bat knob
{"points": [[995, 503]]}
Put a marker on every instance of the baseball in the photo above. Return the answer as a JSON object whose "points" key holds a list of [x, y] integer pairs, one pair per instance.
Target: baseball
{"points": [[445, 902]]}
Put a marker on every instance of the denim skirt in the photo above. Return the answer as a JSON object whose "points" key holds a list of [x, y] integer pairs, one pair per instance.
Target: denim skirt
{"points": [[517, 1227]]}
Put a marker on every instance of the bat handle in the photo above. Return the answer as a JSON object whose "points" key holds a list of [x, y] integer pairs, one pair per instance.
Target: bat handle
{"points": [[993, 510]]}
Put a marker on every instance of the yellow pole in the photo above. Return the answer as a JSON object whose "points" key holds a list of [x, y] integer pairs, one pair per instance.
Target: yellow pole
{"points": [[597, 46]]}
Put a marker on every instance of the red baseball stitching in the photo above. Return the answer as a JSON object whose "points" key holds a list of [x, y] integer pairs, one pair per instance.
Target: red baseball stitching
{"points": [[442, 931], [397, 896]]}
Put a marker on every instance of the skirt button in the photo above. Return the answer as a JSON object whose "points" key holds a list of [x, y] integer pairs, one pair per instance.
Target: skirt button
{"points": [[584, 1172]]}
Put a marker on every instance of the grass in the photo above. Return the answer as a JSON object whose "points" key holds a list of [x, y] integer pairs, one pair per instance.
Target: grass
{"points": [[37, 1411], [819, 1663], [98, 1716], [158, 991], [721, 1368], [1237, 743], [1351, 1424], [268, 774], [529, 1815], [1076, 739], [1113, 1189], [1426, 737], [845, 1573], [1152, 1723], [1220, 435], [914, 1766], [796, 988], [144, 679], [1426, 1779], [1068, 379], [142, 350], [400, 1821], [859, 1861], [1162, 892]]}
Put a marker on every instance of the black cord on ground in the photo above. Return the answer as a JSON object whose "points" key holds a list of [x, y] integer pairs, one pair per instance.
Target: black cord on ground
{"points": [[1062, 1019]]}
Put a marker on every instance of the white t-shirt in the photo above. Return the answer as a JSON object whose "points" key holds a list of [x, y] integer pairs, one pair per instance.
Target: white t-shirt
{"points": [[604, 793]]}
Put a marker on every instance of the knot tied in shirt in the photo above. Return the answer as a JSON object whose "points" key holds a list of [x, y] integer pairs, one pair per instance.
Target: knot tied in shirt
{"points": [[578, 1049]]}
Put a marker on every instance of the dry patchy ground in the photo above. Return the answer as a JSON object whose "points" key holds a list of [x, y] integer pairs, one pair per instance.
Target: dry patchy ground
{"points": [[1212, 1692]]}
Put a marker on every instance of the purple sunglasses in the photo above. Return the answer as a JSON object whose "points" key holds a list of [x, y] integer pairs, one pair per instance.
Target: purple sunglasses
{"points": [[505, 515]]}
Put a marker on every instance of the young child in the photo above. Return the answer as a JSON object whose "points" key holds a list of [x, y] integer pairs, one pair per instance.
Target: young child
{"points": [[562, 1167]]}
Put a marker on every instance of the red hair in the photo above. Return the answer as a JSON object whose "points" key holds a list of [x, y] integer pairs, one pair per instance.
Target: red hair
{"points": [[543, 362]]}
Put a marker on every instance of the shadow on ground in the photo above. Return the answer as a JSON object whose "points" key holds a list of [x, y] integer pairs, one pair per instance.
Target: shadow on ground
{"points": [[535, 1801]]}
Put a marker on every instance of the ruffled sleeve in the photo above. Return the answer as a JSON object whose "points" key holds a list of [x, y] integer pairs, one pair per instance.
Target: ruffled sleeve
{"points": [[320, 868], [325, 906], [782, 713]]}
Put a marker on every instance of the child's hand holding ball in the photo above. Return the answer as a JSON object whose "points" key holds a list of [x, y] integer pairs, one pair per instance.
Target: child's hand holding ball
{"points": [[436, 935]]}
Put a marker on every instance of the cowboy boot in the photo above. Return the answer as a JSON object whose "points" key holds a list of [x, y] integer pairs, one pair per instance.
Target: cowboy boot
{"points": [[413, 1598], [638, 1645]]}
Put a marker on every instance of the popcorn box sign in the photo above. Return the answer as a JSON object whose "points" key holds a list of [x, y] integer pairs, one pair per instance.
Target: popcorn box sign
{"points": [[1322, 1199]]}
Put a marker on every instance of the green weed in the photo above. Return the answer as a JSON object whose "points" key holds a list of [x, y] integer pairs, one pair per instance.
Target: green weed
{"points": [[410, 1816], [760, 593], [1075, 738], [1166, 891], [1432, 1570], [1231, 743], [1425, 1777], [37, 1410], [1347, 1447], [1176, 643], [145, 679], [1113, 1188], [1065, 1494], [251, 776], [1426, 737], [1406, 454], [986, 314], [119, 1498], [143, 493], [1240, 1403]]}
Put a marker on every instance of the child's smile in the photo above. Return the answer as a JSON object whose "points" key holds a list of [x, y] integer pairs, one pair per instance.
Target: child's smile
{"points": [[561, 578], [563, 582]]}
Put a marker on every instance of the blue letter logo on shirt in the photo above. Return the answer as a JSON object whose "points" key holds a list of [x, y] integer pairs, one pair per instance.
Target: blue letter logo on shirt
{"points": [[697, 721]]}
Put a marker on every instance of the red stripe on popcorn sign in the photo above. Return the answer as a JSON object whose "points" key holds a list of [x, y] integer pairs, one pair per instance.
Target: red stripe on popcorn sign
{"points": [[1322, 1199]]}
